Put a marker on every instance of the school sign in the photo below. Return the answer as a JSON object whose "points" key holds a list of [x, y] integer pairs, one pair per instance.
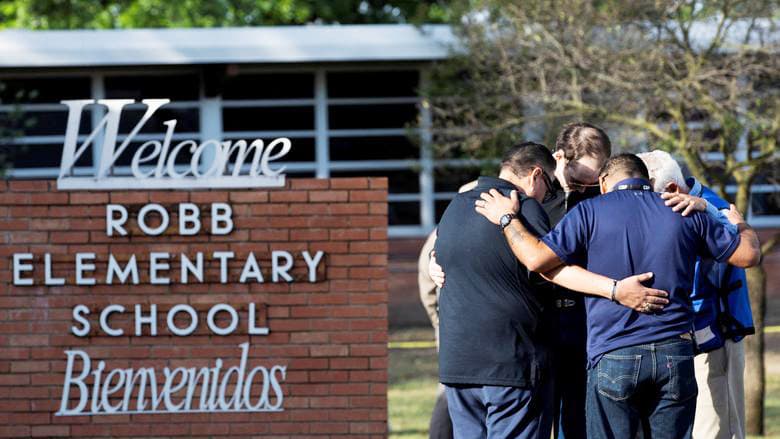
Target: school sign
{"points": [[217, 300]]}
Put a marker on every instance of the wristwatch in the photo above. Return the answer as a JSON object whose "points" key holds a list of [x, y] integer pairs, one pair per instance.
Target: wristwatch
{"points": [[505, 220]]}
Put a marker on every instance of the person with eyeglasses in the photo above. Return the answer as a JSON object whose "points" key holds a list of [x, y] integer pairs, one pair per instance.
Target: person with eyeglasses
{"points": [[640, 365], [494, 333], [581, 149]]}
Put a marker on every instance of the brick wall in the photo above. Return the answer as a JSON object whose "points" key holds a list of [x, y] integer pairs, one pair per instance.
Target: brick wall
{"points": [[331, 335]]}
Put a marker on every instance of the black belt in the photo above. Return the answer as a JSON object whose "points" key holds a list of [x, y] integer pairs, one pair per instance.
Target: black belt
{"points": [[565, 303]]}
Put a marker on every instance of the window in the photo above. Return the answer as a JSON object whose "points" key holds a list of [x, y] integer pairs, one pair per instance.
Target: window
{"points": [[372, 116], [268, 86], [144, 86], [270, 105], [33, 120], [367, 84], [267, 118], [373, 148]]}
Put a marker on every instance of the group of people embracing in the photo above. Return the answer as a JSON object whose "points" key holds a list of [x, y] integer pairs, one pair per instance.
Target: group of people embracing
{"points": [[575, 292]]}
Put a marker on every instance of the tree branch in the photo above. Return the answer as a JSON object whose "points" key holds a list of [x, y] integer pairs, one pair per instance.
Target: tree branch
{"points": [[770, 244]]}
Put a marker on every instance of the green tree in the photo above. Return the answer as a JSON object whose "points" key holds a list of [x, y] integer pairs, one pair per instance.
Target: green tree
{"points": [[107, 14], [698, 78]]}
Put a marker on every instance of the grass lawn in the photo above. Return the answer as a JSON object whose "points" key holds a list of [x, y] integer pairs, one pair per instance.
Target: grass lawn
{"points": [[413, 383]]}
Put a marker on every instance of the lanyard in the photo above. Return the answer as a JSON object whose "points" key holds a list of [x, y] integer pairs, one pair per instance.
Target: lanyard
{"points": [[633, 187]]}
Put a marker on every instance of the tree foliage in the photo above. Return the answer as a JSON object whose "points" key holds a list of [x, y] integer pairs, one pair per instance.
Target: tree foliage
{"points": [[108, 14], [694, 78], [698, 78]]}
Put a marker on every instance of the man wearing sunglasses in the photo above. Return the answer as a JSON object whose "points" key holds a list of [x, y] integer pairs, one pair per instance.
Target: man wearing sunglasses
{"points": [[581, 149], [494, 331], [641, 372]]}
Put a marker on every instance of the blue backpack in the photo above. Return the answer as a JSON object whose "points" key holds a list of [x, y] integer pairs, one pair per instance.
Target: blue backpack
{"points": [[720, 297]]}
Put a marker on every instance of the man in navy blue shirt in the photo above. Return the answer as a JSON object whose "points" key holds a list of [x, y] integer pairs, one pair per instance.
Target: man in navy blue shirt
{"points": [[494, 342], [641, 372], [581, 149]]}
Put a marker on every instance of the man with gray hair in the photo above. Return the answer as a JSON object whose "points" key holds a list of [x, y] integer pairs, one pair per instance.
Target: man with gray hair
{"points": [[721, 303]]}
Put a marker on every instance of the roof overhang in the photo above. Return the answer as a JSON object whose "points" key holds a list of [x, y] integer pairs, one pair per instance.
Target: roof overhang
{"points": [[274, 44]]}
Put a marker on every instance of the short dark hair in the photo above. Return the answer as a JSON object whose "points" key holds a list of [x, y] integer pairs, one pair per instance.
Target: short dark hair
{"points": [[579, 139], [524, 157], [627, 164]]}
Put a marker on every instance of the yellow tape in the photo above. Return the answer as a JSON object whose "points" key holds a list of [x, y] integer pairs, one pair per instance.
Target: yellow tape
{"points": [[432, 344], [411, 345]]}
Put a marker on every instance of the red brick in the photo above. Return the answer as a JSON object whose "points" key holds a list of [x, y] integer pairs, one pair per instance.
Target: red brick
{"points": [[251, 196], [378, 183], [329, 351], [50, 430], [14, 198], [328, 196], [14, 431], [28, 185], [331, 335], [309, 183], [209, 197], [49, 198], [349, 183], [14, 224], [136, 197], [289, 196], [69, 237], [89, 198], [349, 209]]}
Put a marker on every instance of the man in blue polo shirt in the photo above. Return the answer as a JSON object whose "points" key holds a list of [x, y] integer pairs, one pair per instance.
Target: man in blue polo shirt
{"points": [[494, 335], [641, 372]]}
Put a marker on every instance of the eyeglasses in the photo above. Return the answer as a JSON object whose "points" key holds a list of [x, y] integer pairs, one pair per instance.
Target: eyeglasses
{"points": [[549, 195], [575, 184]]}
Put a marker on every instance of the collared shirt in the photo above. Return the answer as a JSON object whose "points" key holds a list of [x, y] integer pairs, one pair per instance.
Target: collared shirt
{"points": [[490, 310], [697, 190], [629, 232], [569, 314], [720, 296]]}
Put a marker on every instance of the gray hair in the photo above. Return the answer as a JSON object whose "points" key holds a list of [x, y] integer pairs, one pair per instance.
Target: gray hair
{"points": [[663, 169]]}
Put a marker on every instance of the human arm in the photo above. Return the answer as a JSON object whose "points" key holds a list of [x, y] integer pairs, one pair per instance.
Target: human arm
{"points": [[427, 287], [748, 251], [435, 271], [526, 246], [629, 291]]}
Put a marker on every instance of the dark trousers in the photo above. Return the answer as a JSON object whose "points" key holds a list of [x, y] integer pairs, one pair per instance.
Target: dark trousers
{"points": [[571, 371], [649, 387], [441, 425], [500, 412]]}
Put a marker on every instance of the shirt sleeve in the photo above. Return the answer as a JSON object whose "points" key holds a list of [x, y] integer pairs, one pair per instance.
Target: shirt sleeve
{"points": [[534, 217], [720, 241], [720, 216], [568, 240]]}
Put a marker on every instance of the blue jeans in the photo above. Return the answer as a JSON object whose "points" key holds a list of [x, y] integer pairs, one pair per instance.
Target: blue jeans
{"points": [[649, 387], [499, 412]]}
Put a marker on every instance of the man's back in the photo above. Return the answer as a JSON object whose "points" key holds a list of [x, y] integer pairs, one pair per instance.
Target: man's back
{"points": [[628, 232], [489, 308]]}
